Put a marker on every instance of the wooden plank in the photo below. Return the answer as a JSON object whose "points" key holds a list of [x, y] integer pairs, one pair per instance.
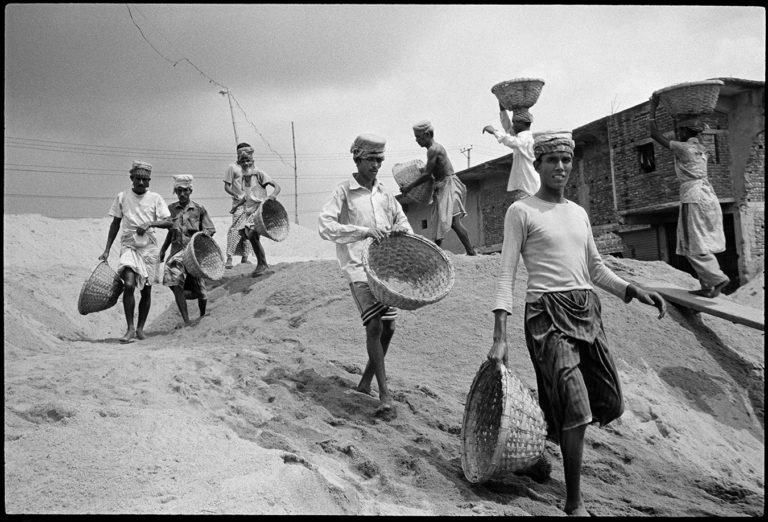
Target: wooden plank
{"points": [[719, 306]]}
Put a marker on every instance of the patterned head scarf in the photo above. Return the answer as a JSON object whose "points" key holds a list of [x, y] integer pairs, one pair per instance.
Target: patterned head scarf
{"points": [[367, 146], [522, 115], [423, 126], [552, 141], [141, 165], [182, 180]]}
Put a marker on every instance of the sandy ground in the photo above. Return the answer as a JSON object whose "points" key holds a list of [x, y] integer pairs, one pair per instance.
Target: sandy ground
{"points": [[248, 411]]}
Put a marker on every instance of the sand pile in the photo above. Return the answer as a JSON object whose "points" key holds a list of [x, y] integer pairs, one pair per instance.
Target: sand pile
{"points": [[249, 411]]}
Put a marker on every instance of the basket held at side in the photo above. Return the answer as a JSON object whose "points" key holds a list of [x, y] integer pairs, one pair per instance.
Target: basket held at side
{"points": [[503, 429], [203, 258], [271, 220], [408, 172], [100, 291], [407, 271]]}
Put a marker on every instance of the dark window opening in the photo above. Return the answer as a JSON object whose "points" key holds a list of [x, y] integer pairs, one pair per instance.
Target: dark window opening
{"points": [[423, 224], [646, 158]]}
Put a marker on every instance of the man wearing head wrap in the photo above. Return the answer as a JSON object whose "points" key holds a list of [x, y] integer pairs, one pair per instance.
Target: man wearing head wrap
{"points": [[188, 218], [576, 378], [137, 210], [523, 178], [360, 208], [449, 192], [700, 232], [237, 180]]}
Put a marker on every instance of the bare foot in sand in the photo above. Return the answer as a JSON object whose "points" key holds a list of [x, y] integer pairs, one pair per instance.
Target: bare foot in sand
{"points": [[364, 389], [577, 511], [140, 334], [129, 336], [386, 411], [260, 269]]}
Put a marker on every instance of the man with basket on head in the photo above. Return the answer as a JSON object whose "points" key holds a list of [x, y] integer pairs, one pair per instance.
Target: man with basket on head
{"points": [[251, 200], [523, 178], [237, 180], [576, 378], [137, 210], [360, 208], [449, 192], [188, 218], [700, 232]]}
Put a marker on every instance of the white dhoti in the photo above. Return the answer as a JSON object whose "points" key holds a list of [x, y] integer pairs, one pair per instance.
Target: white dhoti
{"points": [[448, 198], [140, 259]]}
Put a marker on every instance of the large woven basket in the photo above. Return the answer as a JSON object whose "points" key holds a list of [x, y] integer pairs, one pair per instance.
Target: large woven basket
{"points": [[271, 220], [406, 173], [503, 429], [100, 291], [407, 271], [203, 258], [520, 93], [691, 98]]}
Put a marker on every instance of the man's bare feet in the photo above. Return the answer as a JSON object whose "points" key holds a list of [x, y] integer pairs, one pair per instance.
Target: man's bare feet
{"points": [[577, 511], [129, 336], [140, 334], [260, 269], [386, 411]]}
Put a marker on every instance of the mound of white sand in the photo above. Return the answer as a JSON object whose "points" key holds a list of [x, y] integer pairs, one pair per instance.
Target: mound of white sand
{"points": [[249, 411]]}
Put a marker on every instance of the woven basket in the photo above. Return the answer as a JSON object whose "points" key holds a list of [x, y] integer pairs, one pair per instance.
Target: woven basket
{"points": [[203, 258], [271, 220], [407, 271], [100, 291], [691, 98], [520, 93], [406, 173], [503, 430]]}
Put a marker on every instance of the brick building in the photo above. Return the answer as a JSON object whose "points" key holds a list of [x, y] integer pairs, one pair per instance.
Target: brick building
{"points": [[627, 184]]}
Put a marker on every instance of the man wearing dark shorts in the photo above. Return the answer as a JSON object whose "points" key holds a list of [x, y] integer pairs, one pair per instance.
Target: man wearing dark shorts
{"points": [[576, 378], [360, 208]]}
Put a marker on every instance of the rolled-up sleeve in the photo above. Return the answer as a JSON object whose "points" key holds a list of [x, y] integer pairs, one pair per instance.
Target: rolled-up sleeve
{"points": [[514, 229], [206, 222], [329, 224]]}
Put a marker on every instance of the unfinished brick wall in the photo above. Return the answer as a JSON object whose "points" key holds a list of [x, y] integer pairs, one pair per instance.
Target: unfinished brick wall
{"points": [[494, 202], [754, 176]]}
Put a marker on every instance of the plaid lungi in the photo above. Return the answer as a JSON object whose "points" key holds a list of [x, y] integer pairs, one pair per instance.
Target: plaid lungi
{"points": [[576, 377], [237, 245]]}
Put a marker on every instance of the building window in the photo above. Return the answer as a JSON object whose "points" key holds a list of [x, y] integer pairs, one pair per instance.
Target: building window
{"points": [[717, 150], [423, 224], [645, 157]]}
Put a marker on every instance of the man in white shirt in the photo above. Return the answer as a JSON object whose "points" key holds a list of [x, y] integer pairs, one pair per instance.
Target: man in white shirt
{"points": [[137, 210], [360, 208], [237, 181], [523, 178], [576, 378]]}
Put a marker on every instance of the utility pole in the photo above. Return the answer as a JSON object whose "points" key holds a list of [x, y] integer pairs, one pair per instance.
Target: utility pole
{"points": [[468, 150], [295, 180], [232, 113]]}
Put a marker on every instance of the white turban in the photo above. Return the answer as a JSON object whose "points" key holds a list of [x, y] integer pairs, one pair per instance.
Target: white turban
{"points": [[182, 180], [423, 126], [141, 165]]}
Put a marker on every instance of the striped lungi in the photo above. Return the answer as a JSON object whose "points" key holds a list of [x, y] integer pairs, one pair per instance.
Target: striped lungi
{"points": [[236, 244]]}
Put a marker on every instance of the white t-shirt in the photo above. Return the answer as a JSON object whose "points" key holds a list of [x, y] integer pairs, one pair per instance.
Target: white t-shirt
{"points": [[557, 247], [135, 210]]}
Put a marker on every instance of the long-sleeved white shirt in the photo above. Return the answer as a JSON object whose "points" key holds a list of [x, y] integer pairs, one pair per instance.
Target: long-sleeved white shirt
{"points": [[522, 175], [348, 215], [557, 247]]}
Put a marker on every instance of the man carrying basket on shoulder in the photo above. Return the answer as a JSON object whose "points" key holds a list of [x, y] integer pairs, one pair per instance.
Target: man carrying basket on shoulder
{"points": [[360, 208], [188, 218], [137, 210], [576, 378]]}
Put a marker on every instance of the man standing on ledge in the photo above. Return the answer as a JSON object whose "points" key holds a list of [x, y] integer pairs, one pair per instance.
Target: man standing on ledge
{"points": [[137, 210], [360, 208], [449, 192], [576, 378]]}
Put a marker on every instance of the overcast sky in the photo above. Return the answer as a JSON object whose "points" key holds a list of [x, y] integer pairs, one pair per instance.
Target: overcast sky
{"points": [[85, 93]]}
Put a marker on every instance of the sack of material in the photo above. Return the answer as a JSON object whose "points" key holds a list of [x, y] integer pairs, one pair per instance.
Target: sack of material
{"points": [[406, 173], [407, 271], [271, 220], [100, 291], [203, 258], [503, 429], [519, 93]]}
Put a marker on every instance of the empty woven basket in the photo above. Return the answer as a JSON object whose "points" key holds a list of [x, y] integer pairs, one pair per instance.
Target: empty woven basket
{"points": [[503, 430], [520, 93], [100, 291], [271, 220], [691, 98], [203, 258], [407, 271], [406, 173]]}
